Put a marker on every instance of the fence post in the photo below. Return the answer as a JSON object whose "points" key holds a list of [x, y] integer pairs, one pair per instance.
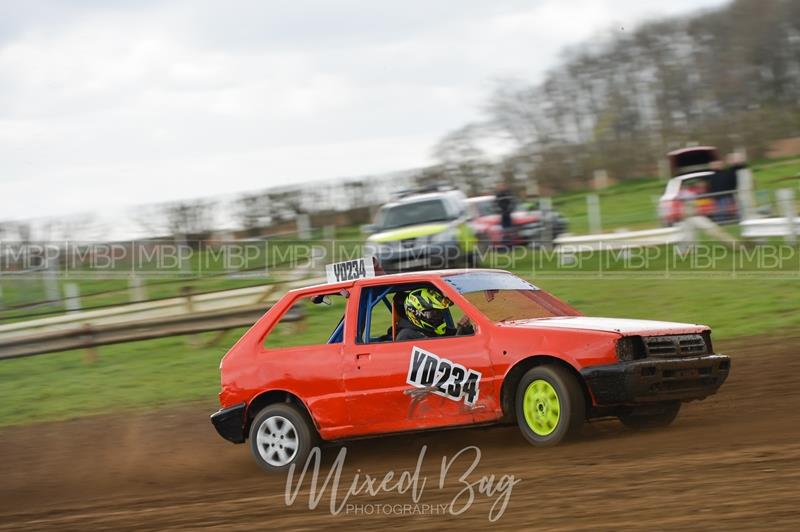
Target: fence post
{"points": [[532, 187], [137, 290], [663, 170], [593, 210], [746, 200], [546, 208], [72, 297], [87, 336], [600, 179], [786, 203], [49, 279], [186, 291], [688, 232], [303, 222]]}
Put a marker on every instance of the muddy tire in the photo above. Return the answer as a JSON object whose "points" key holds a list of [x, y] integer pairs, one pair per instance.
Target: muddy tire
{"points": [[281, 435], [549, 405], [651, 417]]}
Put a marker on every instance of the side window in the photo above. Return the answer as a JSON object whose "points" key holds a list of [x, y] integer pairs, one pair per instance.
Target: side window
{"points": [[375, 316], [379, 323], [456, 313], [309, 321]]}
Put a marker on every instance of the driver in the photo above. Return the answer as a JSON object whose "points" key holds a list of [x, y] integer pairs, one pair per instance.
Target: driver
{"points": [[426, 312]]}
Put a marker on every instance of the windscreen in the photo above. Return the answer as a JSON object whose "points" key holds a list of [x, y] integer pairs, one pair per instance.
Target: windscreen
{"points": [[505, 297], [419, 212]]}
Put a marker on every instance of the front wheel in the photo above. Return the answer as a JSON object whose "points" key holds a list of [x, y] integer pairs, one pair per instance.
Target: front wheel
{"points": [[651, 417], [280, 436], [550, 405]]}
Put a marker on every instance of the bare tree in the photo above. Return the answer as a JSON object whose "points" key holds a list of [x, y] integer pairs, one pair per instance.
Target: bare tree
{"points": [[253, 211], [462, 161], [728, 76], [182, 220]]}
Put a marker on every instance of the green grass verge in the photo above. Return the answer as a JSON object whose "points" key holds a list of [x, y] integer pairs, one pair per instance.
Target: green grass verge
{"points": [[137, 374], [630, 205], [161, 372], [633, 204]]}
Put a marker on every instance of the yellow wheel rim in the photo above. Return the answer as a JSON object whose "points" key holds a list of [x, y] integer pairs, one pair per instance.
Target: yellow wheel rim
{"points": [[541, 407]]}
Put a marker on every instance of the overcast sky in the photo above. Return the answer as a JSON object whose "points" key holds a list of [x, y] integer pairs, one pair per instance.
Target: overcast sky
{"points": [[108, 104]]}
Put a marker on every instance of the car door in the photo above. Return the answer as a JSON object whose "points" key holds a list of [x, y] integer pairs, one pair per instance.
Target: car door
{"points": [[301, 352], [395, 386]]}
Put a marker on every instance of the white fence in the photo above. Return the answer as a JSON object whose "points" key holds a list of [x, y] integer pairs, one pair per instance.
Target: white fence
{"points": [[148, 311]]}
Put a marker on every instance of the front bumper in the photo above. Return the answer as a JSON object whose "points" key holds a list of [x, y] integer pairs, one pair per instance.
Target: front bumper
{"points": [[652, 380], [394, 257], [229, 422]]}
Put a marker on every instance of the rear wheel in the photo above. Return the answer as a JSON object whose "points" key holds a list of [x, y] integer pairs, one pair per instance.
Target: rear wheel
{"points": [[651, 416], [281, 435], [550, 406]]}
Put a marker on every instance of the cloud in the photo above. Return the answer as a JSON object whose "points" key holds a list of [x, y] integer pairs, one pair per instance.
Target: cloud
{"points": [[107, 104]]}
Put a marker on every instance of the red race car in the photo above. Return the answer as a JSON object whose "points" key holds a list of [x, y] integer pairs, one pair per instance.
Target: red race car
{"points": [[530, 226], [370, 355]]}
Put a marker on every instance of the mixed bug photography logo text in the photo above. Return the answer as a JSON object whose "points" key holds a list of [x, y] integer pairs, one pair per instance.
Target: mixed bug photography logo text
{"points": [[456, 480]]}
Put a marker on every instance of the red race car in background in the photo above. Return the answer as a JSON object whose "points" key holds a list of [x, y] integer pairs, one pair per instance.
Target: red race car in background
{"points": [[530, 226], [325, 363]]}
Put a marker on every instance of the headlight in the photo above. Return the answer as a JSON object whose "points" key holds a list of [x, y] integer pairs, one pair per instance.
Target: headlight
{"points": [[631, 348], [448, 235], [709, 345]]}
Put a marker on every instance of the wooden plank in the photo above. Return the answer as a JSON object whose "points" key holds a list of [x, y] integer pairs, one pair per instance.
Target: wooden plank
{"points": [[86, 336]]}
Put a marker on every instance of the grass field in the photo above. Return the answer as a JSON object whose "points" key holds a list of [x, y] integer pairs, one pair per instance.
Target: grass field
{"points": [[146, 374], [159, 372], [633, 204]]}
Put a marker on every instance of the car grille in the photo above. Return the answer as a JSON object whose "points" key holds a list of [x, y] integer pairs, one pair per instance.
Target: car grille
{"points": [[677, 345]]}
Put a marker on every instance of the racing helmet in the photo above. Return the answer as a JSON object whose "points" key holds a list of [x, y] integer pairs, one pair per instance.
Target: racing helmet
{"points": [[426, 309]]}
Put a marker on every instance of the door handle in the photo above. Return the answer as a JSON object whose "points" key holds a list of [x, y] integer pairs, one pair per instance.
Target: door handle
{"points": [[360, 357]]}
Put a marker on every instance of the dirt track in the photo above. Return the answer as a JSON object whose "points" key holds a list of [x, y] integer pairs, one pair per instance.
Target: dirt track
{"points": [[732, 461]]}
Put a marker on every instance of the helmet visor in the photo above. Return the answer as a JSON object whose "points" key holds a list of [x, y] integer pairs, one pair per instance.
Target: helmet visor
{"points": [[434, 316]]}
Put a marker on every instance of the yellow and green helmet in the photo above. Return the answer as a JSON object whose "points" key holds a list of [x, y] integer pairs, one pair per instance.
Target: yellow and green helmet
{"points": [[426, 309]]}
